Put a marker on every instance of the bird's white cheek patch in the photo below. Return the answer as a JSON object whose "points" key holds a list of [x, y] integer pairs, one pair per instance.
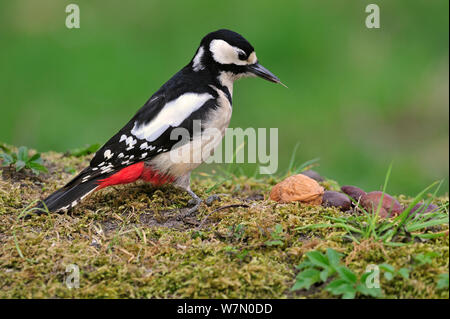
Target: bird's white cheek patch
{"points": [[172, 115], [252, 59], [223, 53]]}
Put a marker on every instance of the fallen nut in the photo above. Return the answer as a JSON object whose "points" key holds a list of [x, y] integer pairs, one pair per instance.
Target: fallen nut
{"points": [[298, 188], [422, 208], [335, 199], [313, 174], [389, 207], [354, 192]]}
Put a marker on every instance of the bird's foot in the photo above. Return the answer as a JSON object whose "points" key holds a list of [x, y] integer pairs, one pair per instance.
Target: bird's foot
{"points": [[196, 201]]}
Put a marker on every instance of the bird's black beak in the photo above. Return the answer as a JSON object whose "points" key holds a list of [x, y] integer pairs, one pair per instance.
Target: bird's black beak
{"points": [[262, 72]]}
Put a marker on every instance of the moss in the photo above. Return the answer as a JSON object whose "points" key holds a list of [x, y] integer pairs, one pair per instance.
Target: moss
{"points": [[128, 242]]}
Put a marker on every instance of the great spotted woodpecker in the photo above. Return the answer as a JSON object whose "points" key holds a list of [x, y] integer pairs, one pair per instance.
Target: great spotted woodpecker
{"points": [[142, 149]]}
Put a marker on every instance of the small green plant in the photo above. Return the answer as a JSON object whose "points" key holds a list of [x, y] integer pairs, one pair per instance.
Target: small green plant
{"points": [[277, 236], [318, 268], [390, 272], [82, 151], [442, 281], [21, 160], [419, 260], [427, 258]]}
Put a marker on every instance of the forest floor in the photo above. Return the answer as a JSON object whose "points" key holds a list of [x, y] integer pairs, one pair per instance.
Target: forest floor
{"points": [[129, 242]]}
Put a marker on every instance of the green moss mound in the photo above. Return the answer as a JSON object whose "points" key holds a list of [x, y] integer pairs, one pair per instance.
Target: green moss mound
{"points": [[128, 242]]}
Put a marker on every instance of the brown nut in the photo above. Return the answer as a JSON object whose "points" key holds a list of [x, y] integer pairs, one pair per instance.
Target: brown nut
{"points": [[354, 192], [389, 207], [298, 188], [313, 174], [335, 199]]}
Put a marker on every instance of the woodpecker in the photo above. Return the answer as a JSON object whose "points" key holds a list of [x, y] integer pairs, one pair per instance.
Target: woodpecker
{"points": [[142, 150]]}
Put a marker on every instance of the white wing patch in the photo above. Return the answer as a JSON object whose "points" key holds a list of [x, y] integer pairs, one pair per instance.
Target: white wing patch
{"points": [[173, 114], [108, 154], [143, 146], [129, 140]]}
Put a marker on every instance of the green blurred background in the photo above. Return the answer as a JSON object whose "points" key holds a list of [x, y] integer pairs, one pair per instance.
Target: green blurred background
{"points": [[358, 98]]}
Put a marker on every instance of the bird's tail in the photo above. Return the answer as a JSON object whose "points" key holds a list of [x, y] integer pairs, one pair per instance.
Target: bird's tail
{"points": [[69, 195]]}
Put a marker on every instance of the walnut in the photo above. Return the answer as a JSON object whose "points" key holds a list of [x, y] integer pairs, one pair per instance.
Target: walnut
{"points": [[298, 188]]}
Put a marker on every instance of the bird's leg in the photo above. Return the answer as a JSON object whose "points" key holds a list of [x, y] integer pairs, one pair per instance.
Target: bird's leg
{"points": [[184, 184], [197, 201]]}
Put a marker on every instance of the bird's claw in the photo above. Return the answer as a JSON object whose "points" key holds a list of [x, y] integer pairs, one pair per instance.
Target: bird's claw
{"points": [[191, 210]]}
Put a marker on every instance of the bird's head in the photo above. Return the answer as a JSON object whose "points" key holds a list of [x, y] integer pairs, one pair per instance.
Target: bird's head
{"points": [[231, 56]]}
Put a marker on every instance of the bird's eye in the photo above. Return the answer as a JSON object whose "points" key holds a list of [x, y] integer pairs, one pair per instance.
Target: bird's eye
{"points": [[242, 55]]}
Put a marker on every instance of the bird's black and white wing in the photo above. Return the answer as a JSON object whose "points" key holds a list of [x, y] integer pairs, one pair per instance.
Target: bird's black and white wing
{"points": [[148, 133]]}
